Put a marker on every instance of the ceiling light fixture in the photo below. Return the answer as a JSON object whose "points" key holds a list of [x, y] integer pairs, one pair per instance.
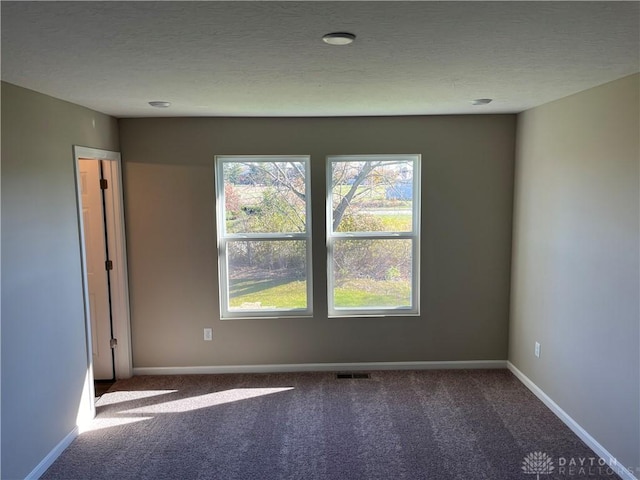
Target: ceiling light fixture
{"points": [[481, 101], [339, 38], [160, 104]]}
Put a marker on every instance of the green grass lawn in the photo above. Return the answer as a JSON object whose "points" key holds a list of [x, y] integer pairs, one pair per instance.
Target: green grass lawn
{"points": [[277, 293], [396, 223], [371, 293], [285, 294]]}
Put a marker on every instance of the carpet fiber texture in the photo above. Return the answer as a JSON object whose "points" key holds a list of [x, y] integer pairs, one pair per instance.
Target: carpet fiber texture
{"points": [[431, 425]]}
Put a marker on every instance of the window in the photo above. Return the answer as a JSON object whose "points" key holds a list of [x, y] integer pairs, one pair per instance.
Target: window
{"points": [[264, 236], [373, 229]]}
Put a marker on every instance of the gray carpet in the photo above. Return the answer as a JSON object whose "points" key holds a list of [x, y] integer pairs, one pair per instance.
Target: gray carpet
{"points": [[435, 425]]}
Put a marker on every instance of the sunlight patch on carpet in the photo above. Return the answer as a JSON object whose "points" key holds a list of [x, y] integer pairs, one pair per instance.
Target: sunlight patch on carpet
{"points": [[108, 422], [203, 401], [111, 398]]}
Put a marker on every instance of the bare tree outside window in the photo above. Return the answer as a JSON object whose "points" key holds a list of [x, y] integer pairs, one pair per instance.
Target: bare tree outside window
{"points": [[264, 236], [264, 233], [373, 234]]}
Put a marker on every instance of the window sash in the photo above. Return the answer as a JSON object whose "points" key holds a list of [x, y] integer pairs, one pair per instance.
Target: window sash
{"points": [[225, 238], [413, 235]]}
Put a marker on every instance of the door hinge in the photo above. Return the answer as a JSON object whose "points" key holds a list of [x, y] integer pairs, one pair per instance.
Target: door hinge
{"points": [[104, 184], [113, 343], [108, 265]]}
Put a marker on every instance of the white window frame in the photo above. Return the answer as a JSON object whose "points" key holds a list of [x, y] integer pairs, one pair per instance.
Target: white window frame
{"points": [[414, 236], [224, 238]]}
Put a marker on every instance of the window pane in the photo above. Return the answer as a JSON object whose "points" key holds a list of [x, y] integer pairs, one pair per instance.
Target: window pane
{"points": [[372, 196], [372, 273], [267, 275], [264, 197]]}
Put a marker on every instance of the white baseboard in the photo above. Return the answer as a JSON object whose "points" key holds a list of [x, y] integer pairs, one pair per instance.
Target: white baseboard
{"points": [[591, 442], [52, 456], [320, 367]]}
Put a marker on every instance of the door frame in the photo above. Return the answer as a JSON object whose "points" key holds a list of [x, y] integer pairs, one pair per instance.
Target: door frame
{"points": [[116, 244]]}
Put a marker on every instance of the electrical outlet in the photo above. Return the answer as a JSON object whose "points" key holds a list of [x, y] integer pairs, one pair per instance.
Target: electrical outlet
{"points": [[208, 334], [536, 350]]}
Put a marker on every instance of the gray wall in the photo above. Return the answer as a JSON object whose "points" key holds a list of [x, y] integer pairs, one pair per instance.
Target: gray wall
{"points": [[44, 356], [575, 263], [467, 178]]}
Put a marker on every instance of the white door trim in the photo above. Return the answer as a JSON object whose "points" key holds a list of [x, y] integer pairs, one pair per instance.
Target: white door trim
{"points": [[114, 213]]}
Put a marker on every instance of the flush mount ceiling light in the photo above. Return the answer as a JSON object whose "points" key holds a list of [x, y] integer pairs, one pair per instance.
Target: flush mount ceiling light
{"points": [[481, 101], [339, 38], [160, 104]]}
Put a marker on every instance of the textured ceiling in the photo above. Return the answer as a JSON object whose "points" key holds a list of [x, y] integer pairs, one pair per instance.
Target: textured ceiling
{"points": [[267, 58]]}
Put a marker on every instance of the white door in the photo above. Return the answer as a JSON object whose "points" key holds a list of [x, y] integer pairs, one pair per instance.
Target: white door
{"points": [[97, 275]]}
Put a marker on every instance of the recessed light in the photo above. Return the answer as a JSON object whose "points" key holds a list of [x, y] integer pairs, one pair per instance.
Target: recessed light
{"points": [[481, 101], [339, 38], [160, 104]]}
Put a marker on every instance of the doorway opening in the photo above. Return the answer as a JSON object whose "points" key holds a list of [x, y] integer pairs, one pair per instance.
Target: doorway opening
{"points": [[106, 295]]}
